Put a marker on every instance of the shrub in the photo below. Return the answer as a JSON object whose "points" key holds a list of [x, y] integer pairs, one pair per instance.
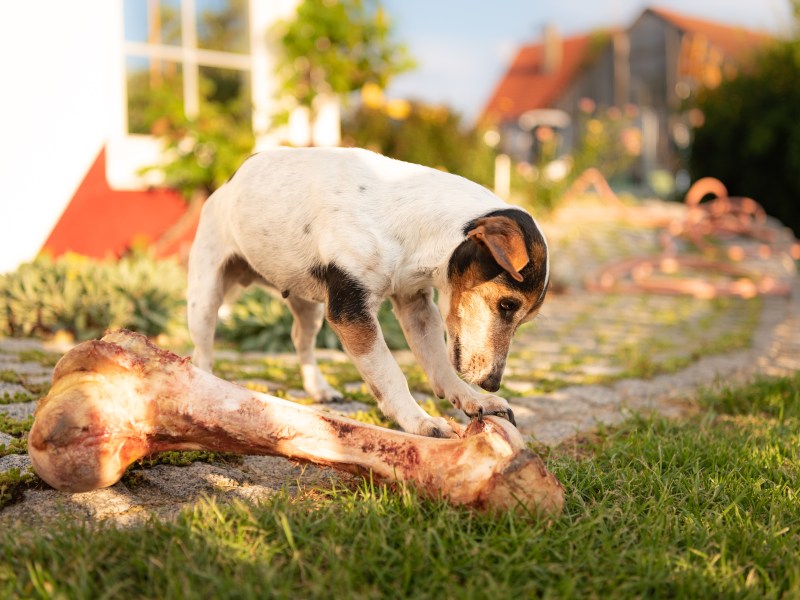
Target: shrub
{"points": [[85, 297]]}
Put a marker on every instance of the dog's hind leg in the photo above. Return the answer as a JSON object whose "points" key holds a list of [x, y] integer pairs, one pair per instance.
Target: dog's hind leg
{"points": [[308, 318], [205, 295], [209, 259]]}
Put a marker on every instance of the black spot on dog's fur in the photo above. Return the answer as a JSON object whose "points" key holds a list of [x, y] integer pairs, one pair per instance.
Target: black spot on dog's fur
{"points": [[362, 188], [319, 272], [307, 229], [457, 353], [347, 297]]}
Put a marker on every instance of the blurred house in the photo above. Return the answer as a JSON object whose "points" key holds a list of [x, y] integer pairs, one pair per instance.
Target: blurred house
{"points": [[649, 70], [79, 101]]}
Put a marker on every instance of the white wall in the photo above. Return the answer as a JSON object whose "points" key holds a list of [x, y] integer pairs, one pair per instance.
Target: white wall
{"points": [[60, 65]]}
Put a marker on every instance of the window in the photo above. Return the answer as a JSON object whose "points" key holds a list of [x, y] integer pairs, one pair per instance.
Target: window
{"points": [[181, 55]]}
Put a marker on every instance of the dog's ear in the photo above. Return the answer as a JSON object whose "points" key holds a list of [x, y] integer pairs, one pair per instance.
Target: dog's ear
{"points": [[503, 238]]}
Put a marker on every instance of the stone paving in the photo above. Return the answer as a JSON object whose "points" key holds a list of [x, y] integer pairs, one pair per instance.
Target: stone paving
{"points": [[588, 360]]}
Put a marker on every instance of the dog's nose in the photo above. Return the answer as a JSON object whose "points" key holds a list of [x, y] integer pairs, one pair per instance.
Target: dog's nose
{"points": [[492, 382]]}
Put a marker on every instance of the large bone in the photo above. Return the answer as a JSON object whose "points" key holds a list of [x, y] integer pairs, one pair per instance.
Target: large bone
{"points": [[118, 399]]}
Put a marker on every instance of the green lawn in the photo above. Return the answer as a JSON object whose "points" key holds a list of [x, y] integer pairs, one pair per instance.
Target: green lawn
{"points": [[704, 508]]}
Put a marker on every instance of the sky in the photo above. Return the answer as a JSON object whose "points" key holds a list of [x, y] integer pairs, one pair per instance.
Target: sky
{"points": [[463, 47]]}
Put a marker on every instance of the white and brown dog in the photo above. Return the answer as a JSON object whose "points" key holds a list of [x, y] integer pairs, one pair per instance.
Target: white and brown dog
{"points": [[346, 228]]}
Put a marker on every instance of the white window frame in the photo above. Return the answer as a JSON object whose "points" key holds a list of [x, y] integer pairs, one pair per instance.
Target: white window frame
{"points": [[128, 152], [189, 56]]}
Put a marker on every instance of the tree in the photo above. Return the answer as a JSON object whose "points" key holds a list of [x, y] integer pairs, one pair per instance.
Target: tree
{"points": [[750, 138], [335, 47]]}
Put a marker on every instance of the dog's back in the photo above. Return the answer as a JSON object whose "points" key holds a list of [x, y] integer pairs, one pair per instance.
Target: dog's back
{"points": [[288, 210]]}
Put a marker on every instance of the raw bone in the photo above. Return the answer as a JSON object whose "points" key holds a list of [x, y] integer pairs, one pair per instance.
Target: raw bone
{"points": [[118, 399]]}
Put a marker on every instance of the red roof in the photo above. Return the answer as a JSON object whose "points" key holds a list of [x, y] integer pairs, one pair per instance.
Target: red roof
{"points": [[527, 86], [102, 222], [731, 40]]}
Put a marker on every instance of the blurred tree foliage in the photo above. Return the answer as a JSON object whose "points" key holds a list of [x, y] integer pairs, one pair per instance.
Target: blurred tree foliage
{"points": [[202, 152], [336, 47], [426, 135], [750, 138]]}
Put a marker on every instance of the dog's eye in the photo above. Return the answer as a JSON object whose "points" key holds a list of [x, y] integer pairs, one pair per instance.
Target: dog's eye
{"points": [[508, 305]]}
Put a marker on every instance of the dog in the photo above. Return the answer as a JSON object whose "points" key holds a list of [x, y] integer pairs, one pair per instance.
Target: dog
{"points": [[335, 231]]}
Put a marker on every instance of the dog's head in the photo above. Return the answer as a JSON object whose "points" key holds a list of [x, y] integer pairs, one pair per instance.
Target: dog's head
{"points": [[498, 277]]}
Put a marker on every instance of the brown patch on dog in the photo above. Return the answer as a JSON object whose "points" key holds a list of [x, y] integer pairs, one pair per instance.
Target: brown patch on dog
{"points": [[459, 286], [505, 241], [358, 338], [490, 291]]}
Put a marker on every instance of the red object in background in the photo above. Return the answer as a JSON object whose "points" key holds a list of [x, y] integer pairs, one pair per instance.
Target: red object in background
{"points": [[527, 86], [100, 222]]}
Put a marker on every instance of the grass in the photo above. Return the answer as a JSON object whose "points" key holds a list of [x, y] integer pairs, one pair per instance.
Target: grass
{"points": [[46, 359], [15, 427], [702, 508], [13, 398], [18, 430], [31, 391], [12, 485]]}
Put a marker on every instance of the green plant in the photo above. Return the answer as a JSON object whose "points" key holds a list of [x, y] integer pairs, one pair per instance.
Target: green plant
{"points": [[607, 141], [15, 446], [13, 398], [202, 151], [18, 430], [15, 427], [203, 145], [12, 484], [46, 359], [258, 321], [86, 297]]}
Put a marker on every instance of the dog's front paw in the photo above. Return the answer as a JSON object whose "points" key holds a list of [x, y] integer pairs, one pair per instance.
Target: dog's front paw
{"points": [[433, 427], [481, 405]]}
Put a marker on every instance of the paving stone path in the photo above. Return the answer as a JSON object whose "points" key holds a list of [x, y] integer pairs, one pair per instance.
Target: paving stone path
{"points": [[588, 360]]}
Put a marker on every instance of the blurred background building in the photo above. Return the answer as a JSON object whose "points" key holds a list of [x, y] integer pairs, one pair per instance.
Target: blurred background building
{"points": [[649, 72]]}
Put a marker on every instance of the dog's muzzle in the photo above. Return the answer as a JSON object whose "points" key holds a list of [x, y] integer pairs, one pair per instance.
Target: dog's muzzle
{"points": [[492, 382]]}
